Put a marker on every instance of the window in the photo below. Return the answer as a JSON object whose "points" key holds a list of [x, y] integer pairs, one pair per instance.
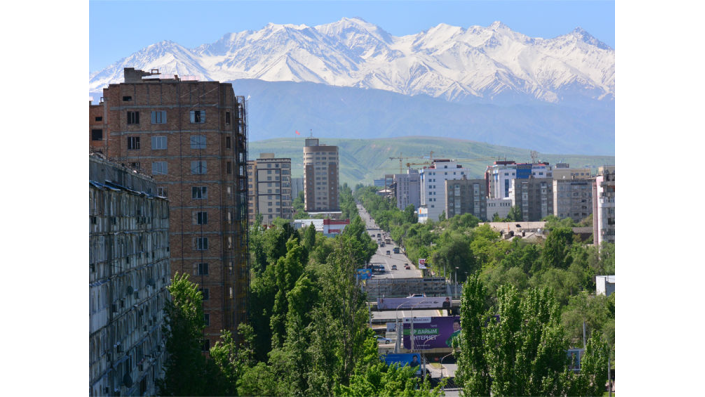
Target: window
{"points": [[203, 269], [159, 168], [133, 117], [159, 117], [200, 218], [198, 142], [126, 98], [162, 192], [158, 142], [199, 167], [133, 143], [199, 192], [201, 243], [198, 116], [206, 345], [229, 166], [207, 319], [228, 144], [227, 117], [97, 135], [99, 118]]}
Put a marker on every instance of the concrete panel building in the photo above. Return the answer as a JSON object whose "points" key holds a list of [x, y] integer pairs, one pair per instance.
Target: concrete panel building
{"points": [[128, 275], [603, 206], [499, 206], [321, 176], [408, 189], [563, 171], [466, 196], [534, 197], [191, 136], [269, 188], [604, 285], [572, 198], [432, 180], [297, 185]]}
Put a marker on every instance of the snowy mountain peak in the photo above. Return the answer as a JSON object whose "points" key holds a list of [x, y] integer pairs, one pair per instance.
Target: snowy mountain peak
{"points": [[586, 37], [477, 63]]}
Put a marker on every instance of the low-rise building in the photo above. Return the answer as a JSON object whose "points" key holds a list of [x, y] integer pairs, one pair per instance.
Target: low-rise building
{"points": [[499, 207], [604, 285], [129, 270]]}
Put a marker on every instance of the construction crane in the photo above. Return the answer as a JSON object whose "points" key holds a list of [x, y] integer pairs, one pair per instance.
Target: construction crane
{"points": [[400, 158]]}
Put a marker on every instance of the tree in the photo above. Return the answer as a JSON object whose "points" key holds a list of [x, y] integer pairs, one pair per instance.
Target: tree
{"points": [[310, 237], [473, 370], [409, 214], [186, 371], [514, 214], [556, 248], [442, 216], [287, 271]]}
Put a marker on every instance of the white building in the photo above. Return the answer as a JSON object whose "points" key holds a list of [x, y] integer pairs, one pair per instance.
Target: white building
{"points": [[432, 181], [604, 285], [502, 173], [499, 206]]}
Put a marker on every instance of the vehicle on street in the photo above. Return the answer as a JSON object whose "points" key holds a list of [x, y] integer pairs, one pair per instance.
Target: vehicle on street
{"points": [[382, 339], [396, 250], [379, 235], [394, 267], [389, 253], [417, 296], [407, 267]]}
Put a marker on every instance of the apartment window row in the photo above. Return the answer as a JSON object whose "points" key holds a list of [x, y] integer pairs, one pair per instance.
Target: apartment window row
{"points": [[159, 117]]}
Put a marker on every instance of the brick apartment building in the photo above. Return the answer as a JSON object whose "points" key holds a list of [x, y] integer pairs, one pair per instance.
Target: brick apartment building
{"points": [[269, 188], [128, 275], [191, 136]]}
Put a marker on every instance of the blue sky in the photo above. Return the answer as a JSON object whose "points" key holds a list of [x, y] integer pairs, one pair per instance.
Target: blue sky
{"points": [[118, 28]]}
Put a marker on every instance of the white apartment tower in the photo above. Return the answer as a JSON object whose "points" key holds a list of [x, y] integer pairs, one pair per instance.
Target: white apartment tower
{"points": [[433, 191]]}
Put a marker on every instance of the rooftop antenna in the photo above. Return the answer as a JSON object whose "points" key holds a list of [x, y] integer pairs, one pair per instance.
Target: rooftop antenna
{"points": [[311, 133]]}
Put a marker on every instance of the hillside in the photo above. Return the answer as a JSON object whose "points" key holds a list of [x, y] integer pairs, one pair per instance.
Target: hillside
{"points": [[363, 160]]}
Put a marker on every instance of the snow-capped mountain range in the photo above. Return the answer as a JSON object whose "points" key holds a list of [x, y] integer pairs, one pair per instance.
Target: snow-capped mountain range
{"points": [[478, 63]]}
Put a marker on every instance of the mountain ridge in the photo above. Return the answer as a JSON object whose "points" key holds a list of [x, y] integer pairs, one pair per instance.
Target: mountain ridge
{"points": [[444, 61]]}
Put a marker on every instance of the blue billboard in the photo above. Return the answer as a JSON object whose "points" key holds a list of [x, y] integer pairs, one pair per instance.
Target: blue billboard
{"points": [[402, 359]]}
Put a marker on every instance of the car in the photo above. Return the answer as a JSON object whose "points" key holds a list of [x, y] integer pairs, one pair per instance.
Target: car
{"points": [[394, 267], [417, 296], [389, 252], [382, 339], [407, 267]]}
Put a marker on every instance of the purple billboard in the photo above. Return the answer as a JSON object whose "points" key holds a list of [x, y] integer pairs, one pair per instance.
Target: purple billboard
{"points": [[431, 332]]}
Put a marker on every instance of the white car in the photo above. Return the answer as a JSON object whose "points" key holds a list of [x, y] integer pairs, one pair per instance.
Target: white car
{"points": [[383, 340]]}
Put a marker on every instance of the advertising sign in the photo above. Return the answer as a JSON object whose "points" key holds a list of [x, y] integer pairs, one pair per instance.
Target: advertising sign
{"points": [[574, 357], [402, 359], [364, 274], [431, 332], [422, 263], [435, 302]]}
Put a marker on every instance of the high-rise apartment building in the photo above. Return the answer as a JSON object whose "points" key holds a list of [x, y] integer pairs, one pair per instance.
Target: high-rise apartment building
{"points": [[603, 206], [128, 275], [500, 175], [191, 137], [572, 198], [466, 196], [534, 197], [408, 189], [269, 186], [321, 167], [432, 180]]}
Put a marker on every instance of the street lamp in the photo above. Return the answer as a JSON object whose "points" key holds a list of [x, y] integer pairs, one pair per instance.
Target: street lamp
{"points": [[396, 323], [456, 281]]}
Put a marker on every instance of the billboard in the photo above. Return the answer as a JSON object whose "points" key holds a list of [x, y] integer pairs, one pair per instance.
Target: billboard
{"points": [[422, 263], [412, 359], [431, 332], [364, 274], [435, 302]]}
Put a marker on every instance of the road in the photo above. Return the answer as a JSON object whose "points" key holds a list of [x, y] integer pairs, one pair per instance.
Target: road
{"points": [[381, 255]]}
